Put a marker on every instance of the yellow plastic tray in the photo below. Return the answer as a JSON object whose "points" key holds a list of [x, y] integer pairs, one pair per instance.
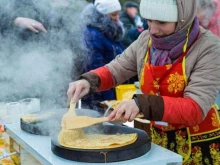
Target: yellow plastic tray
{"points": [[124, 92]]}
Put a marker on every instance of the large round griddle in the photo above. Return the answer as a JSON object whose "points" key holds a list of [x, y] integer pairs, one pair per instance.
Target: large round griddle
{"points": [[52, 123], [140, 147]]}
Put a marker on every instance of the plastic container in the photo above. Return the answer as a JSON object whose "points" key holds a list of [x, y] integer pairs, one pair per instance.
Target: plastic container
{"points": [[2, 109], [13, 113], [125, 92], [30, 105], [13, 108]]}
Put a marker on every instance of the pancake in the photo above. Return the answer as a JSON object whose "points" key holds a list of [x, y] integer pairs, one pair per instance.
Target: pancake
{"points": [[34, 118], [6, 161], [69, 135], [77, 139], [30, 118]]}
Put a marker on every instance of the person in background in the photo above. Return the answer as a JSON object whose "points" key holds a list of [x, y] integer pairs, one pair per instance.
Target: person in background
{"points": [[178, 65], [103, 34], [42, 21], [40, 38], [132, 22], [208, 12]]}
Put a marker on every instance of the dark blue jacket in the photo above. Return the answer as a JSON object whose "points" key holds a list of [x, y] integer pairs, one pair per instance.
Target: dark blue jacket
{"points": [[102, 50], [102, 38]]}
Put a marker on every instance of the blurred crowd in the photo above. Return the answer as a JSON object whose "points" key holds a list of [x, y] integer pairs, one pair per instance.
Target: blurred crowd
{"points": [[208, 12], [45, 44]]}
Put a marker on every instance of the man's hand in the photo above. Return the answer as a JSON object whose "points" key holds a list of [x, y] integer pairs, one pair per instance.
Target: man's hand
{"points": [[127, 110], [77, 90], [30, 24]]}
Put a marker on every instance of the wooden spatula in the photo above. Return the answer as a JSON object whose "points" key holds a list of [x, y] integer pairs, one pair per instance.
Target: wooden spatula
{"points": [[67, 118], [86, 121], [83, 121]]}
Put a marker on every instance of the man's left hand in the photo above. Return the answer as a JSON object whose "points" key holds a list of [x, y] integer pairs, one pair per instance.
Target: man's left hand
{"points": [[127, 110]]}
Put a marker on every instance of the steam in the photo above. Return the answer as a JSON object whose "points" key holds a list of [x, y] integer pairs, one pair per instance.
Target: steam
{"points": [[44, 65], [51, 124]]}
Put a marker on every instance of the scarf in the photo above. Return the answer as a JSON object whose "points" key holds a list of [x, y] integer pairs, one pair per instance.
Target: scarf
{"points": [[167, 49]]}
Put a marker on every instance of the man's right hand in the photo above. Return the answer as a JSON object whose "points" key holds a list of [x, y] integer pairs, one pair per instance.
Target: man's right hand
{"points": [[77, 90], [30, 24]]}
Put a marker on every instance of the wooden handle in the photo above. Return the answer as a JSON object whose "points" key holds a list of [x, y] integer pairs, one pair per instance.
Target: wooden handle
{"points": [[103, 119], [140, 115], [72, 107], [98, 120], [142, 121]]}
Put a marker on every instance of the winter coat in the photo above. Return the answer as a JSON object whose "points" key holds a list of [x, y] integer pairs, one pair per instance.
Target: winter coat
{"points": [[131, 29], [202, 67], [102, 48]]}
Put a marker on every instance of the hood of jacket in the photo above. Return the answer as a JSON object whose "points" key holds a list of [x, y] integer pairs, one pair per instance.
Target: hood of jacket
{"points": [[186, 13], [92, 18]]}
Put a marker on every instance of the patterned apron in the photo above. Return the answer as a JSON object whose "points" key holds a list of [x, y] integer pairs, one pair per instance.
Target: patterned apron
{"points": [[199, 145]]}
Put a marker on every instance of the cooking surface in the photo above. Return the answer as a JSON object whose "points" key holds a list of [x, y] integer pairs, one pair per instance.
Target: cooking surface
{"points": [[40, 148], [140, 147]]}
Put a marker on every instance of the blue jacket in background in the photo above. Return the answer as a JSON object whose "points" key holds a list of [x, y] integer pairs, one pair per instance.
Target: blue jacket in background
{"points": [[102, 50], [102, 39]]}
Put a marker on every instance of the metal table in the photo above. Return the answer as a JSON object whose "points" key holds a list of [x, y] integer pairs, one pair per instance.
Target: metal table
{"points": [[40, 148]]}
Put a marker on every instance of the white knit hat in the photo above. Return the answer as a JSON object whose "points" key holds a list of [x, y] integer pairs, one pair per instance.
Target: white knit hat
{"points": [[160, 10], [107, 6]]}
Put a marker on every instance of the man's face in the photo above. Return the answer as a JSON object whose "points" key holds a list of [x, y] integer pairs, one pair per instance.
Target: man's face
{"points": [[114, 16], [161, 29], [132, 11], [203, 18]]}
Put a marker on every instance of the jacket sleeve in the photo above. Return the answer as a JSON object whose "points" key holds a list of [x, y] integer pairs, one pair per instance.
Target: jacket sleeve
{"points": [[100, 79], [122, 68], [184, 111], [204, 77]]}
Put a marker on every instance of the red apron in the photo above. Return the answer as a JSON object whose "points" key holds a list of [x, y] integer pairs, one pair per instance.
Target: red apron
{"points": [[199, 144]]}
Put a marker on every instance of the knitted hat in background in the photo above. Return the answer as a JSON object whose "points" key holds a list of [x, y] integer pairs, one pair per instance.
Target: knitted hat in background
{"points": [[130, 4], [160, 10], [107, 6]]}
